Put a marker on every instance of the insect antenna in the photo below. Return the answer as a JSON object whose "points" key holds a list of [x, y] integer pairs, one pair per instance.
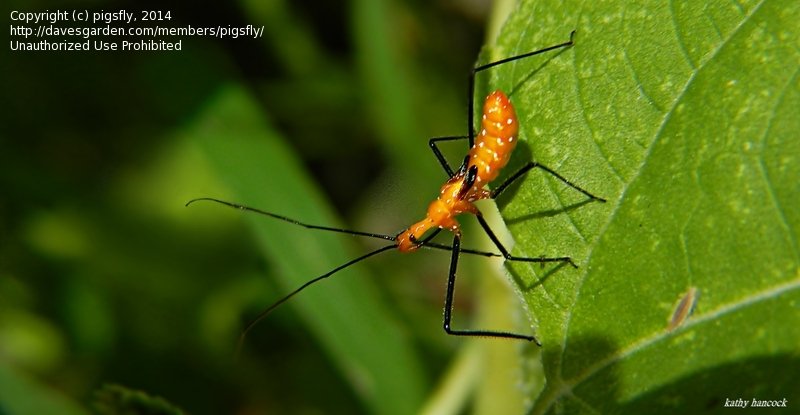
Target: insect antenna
{"points": [[290, 220], [425, 243]]}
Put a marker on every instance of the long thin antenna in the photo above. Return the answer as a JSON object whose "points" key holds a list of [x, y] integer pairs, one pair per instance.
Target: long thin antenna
{"points": [[290, 220]]}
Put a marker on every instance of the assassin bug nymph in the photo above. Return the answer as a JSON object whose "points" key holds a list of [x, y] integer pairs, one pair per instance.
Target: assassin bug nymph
{"points": [[489, 153]]}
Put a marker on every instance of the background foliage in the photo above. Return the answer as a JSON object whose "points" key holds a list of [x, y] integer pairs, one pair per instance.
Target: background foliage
{"points": [[684, 117], [106, 278]]}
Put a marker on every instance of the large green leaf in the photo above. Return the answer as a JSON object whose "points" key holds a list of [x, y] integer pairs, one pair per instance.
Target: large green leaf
{"points": [[685, 117]]}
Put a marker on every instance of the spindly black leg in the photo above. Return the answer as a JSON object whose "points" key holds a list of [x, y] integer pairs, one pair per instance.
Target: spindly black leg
{"points": [[508, 255], [436, 152], [471, 87], [448, 304], [534, 165]]}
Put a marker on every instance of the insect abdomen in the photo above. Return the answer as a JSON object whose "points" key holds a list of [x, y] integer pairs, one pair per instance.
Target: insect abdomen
{"points": [[497, 138]]}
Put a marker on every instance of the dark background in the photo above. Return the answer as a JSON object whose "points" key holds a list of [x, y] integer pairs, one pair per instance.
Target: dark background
{"points": [[106, 278]]}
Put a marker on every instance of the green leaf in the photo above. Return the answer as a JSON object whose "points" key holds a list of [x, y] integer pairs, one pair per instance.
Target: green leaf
{"points": [[20, 395], [685, 117], [345, 315]]}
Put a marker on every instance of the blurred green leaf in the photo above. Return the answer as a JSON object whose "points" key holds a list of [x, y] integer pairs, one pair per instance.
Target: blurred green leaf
{"points": [[20, 395], [345, 315], [30, 341], [684, 116]]}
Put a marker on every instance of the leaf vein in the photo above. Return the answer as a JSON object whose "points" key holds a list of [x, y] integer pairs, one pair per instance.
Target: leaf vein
{"points": [[765, 174], [639, 84], [583, 105], [681, 43], [724, 309], [668, 116], [649, 151]]}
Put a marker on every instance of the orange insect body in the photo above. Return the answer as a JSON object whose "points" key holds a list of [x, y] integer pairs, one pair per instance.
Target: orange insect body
{"points": [[497, 138], [489, 154]]}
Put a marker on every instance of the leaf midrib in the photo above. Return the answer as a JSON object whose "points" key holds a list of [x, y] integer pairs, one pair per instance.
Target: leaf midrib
{"points": [[567, 386]]}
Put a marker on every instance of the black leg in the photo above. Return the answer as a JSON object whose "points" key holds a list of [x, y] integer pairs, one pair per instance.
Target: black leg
{"points": [[508, 255], [471, 88], [497, 191], [448, 304], [534, 165], [471, 101], [436, 152]]}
